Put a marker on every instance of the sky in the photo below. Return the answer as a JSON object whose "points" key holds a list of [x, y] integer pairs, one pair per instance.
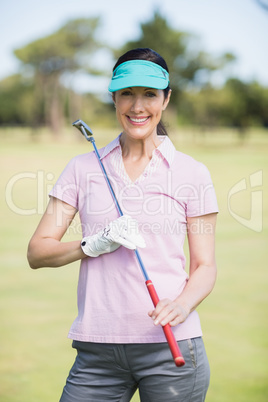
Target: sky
{"points": [[237, 26]]}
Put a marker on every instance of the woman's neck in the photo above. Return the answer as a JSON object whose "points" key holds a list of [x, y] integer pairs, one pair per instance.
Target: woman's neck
{"points": [[138, 149]]}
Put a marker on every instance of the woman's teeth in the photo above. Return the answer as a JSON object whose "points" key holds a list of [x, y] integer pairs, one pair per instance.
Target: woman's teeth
{"points": [[136, 120]]}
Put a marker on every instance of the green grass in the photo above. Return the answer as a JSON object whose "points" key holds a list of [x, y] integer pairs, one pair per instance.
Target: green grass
{"points": [[37, 307]]}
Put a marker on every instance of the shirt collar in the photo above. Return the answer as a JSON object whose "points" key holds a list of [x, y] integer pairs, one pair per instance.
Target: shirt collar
{"points": [[166, 148], [111, 146]]}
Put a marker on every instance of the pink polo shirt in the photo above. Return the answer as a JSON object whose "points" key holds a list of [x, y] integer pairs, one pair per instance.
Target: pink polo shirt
{"points": [[112, 297]]}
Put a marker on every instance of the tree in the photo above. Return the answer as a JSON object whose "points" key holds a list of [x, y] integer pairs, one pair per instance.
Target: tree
{"points": [[188, 65], [237, 104], [67, 50], [245, 104], [16, 100]]}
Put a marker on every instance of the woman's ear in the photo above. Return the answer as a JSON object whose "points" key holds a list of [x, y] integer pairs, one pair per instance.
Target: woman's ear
{"points": [[166, 101]]}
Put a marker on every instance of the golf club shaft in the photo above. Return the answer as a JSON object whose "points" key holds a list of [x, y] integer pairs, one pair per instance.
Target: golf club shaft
{"points": [[92, 140], [173, 345]]}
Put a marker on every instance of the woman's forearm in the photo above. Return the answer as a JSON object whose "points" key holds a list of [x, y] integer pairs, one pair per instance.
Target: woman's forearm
{"points": [[49, 252], [203, 272], [198, 287]]}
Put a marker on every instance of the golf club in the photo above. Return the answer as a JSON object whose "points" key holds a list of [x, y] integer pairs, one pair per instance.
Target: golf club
{"points": [[173, 345]]}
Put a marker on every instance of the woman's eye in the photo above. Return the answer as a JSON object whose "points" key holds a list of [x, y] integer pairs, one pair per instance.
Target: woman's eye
{"points": [[150, 94], [126, 93]]}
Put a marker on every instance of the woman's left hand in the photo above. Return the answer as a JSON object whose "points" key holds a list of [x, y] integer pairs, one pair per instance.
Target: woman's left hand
{"points": [[202, 273], [169, 312]]}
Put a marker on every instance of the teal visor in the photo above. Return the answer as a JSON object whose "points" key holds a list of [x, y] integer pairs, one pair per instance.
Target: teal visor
{"points": [[139, 73]]}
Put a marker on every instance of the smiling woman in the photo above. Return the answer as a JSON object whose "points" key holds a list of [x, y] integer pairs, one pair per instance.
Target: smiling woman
{"points": [[141, 92], [139, 111], [118, 334], [142, 68]]}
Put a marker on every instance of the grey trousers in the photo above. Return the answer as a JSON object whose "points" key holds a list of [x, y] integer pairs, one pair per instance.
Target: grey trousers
{"points": [[112, 372]]}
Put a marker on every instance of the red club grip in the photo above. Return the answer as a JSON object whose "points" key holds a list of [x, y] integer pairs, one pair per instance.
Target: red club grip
{"points": [[173, 345]]}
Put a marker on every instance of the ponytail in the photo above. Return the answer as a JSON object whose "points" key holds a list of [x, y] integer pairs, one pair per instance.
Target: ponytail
{"points": [[161, 129]]}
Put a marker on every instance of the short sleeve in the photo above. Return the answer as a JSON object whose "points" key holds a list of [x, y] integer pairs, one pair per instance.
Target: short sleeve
{"points": [[66, 188], [201, 193]]}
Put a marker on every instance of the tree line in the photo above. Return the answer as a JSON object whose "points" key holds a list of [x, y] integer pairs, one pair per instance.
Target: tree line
{"points": [[38, 95]]}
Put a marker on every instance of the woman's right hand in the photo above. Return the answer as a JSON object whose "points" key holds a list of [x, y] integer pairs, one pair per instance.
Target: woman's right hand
{"points": [[123, 231]]}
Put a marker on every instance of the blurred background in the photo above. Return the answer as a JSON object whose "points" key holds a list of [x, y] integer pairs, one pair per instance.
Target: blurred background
{"points": [[56, 63]]}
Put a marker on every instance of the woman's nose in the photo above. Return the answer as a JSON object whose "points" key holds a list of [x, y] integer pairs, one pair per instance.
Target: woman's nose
{"points": [[137, 105]]}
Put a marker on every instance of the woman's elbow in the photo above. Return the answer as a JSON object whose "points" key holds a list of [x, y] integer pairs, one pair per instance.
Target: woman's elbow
{"points": [[33, 257], [32, 262], [213, 275]]}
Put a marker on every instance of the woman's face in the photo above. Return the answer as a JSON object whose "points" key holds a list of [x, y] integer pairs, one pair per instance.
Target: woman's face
{"points": [[139, 110]]}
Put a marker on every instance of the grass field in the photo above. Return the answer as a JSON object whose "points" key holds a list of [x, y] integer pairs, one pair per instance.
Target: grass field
{"points": [[37, 307]]}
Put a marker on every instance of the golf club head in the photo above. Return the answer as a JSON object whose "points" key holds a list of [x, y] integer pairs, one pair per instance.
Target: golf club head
{"points": [[83, 128]]}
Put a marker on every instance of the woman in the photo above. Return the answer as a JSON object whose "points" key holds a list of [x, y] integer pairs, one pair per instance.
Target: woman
{"points": [[164, 195]]}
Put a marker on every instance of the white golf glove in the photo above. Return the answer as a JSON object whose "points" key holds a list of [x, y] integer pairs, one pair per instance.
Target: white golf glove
{"points": [[120, 232]]}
